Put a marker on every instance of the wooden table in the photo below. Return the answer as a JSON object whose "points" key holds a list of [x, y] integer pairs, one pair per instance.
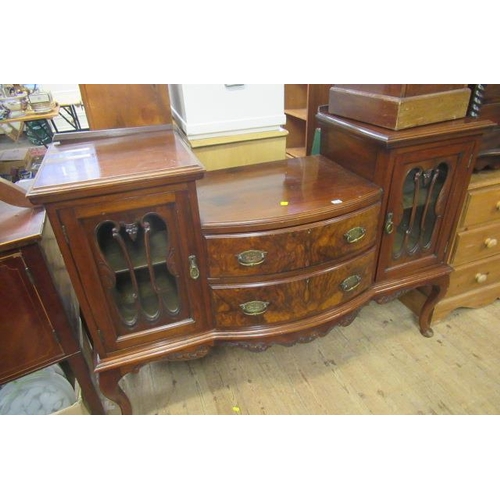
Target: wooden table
{"points": [[14, 133], [39, 315]]}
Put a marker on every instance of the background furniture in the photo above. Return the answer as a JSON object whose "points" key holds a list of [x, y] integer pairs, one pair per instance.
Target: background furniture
{"points": [[301, 105], [117, 106], [485, 103], [39, 314], [474, 280], [229, 125], [475, 255], [14, 127]]}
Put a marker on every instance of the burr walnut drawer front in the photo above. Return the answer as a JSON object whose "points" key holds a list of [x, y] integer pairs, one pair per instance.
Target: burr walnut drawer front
{"points": [[475, 276], [476, 244], [482, 206], [269, 252], [293, 298]]}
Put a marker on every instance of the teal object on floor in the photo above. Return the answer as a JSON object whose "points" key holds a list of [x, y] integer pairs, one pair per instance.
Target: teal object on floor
{"points": [[316, 142]]}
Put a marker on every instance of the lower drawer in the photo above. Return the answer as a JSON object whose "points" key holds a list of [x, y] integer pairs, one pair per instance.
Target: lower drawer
{"points": [[474, 276], [476, 244], [291, 299]]}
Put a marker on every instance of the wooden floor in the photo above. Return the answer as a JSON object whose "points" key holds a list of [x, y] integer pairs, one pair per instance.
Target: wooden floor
{"points": [[380, 364]]}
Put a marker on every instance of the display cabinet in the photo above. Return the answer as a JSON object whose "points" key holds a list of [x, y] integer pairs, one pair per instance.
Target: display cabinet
{"points": [[424, 172], [124, 208]]}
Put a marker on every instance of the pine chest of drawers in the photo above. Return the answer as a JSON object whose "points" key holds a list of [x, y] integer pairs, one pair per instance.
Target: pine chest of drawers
{"points": [[475, 254]]}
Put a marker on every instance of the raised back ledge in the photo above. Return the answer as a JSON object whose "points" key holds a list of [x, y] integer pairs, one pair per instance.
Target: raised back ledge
{"points": [[279, 194], [397, 138]]}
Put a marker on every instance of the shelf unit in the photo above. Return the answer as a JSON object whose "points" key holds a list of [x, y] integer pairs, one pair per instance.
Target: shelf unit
{"points": [[301, 105]]}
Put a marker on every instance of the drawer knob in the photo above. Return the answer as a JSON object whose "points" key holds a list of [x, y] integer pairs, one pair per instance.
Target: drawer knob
{"points": [[350, 283], [254, 307], [498, 205], [490, 242], [481, 278], [251, 258], [355, 234]]}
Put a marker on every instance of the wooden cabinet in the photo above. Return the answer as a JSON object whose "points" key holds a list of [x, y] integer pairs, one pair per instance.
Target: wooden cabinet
{"points": [[125, 105], [169, 261], [38, 312], [424, 172], [124, 208], [301, 105]]}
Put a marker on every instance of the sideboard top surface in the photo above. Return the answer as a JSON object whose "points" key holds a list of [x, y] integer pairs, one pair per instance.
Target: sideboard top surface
{"points": [[19, 226], [104, 164], [280, 193], [398, 138]]}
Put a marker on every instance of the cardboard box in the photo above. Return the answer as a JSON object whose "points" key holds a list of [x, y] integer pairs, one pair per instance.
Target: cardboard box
{"points": [[77, 408], [12, 161]]}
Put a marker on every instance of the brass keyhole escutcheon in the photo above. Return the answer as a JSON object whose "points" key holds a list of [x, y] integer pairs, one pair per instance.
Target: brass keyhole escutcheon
{"points": [[194, 272]]}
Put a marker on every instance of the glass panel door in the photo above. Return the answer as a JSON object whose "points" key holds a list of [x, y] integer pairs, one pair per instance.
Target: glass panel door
{"points": [[421, 191]]}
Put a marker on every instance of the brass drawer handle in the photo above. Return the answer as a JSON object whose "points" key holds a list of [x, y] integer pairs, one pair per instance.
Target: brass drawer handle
{"points": [[254, 307], [251, 258], [481, 278], [355, 234], [350, 283], [498, 205], [490, 242]]}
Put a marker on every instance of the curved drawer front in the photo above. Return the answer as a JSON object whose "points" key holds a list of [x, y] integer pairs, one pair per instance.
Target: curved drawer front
{"points": [[476, 244], [270, 252], [292, 299]]}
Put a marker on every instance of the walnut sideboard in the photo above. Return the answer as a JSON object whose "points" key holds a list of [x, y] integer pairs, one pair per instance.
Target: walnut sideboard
{"points": [[168, 260]]}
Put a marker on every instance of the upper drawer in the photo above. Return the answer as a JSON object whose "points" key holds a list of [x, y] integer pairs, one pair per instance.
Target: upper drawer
{"points": [[481, 206], [269, 252], [479, 243]]}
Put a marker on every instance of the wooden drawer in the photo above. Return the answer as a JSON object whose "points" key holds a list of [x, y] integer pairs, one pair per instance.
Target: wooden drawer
{"points": [[476, 244], [270, 252], [294, 298], [482, 206], [474, 276]]}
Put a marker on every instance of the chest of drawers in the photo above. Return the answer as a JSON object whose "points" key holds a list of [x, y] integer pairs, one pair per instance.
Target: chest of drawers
{"points": [[475, 254], [295, 249]]}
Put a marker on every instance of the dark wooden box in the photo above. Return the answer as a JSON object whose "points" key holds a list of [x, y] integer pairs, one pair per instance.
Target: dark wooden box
{"points": [[399, 106]]}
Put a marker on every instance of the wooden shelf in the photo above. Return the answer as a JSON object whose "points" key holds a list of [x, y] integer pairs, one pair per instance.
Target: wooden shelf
{"points": [[295, 152], [300, 113], [301, 105]]}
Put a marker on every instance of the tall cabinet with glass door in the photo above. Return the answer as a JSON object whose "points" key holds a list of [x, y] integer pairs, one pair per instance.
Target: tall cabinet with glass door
{"points": [[424, 172]]}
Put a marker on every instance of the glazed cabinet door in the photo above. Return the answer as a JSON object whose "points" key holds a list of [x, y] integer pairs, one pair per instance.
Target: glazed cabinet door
{"points": [[137, 261], [424, 198]]}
